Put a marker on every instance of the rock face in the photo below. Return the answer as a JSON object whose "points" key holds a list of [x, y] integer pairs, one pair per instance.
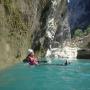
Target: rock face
{"points": [[79, 13], [22, 26], [83, 54], [84, 44]]}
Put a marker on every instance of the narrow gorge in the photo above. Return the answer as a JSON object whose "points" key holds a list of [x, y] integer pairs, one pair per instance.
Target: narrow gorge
{"points": [[42, 25]]}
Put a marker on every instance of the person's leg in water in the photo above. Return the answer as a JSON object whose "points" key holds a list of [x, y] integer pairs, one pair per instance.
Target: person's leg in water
{"points": [[66, 63]]}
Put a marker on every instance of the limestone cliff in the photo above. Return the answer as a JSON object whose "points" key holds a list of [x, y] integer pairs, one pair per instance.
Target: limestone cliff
{"points": [[22, 25]]}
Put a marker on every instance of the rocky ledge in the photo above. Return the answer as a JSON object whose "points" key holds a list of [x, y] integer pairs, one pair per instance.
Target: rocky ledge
{"points": [[83, 54]]}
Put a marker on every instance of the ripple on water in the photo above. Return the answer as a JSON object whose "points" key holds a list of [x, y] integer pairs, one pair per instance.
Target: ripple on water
{"points": [[47, 77]]}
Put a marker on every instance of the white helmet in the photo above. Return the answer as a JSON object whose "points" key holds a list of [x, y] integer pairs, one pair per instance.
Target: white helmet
{"points": [[30, 51]]}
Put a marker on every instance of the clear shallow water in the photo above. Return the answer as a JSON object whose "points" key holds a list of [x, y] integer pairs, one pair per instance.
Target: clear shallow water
{"points": [[75, 76]]}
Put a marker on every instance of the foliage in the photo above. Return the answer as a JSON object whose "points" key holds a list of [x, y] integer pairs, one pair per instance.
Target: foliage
{"points": [[78, 33], [87, 30]]}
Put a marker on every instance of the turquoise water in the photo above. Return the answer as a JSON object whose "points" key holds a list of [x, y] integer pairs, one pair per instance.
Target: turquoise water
{"points": [[75, 76]]}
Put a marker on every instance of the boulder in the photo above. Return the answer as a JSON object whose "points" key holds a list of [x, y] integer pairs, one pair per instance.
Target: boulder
{"points": [[83, 54]]}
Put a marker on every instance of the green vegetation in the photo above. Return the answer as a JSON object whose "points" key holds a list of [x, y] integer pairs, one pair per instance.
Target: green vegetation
{"points": [[87, 31], [82, 37], [78, 33]]}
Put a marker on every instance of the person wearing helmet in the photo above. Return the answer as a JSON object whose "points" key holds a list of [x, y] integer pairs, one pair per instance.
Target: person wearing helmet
{"points": [[32, 60]]}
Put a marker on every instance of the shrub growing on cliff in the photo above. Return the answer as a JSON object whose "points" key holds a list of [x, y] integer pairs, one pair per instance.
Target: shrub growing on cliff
{"points": [[88, 30], [78, 33]]}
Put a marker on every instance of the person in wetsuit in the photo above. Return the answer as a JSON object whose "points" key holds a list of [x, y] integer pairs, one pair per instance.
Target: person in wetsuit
{"points": [[32, 60]]}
